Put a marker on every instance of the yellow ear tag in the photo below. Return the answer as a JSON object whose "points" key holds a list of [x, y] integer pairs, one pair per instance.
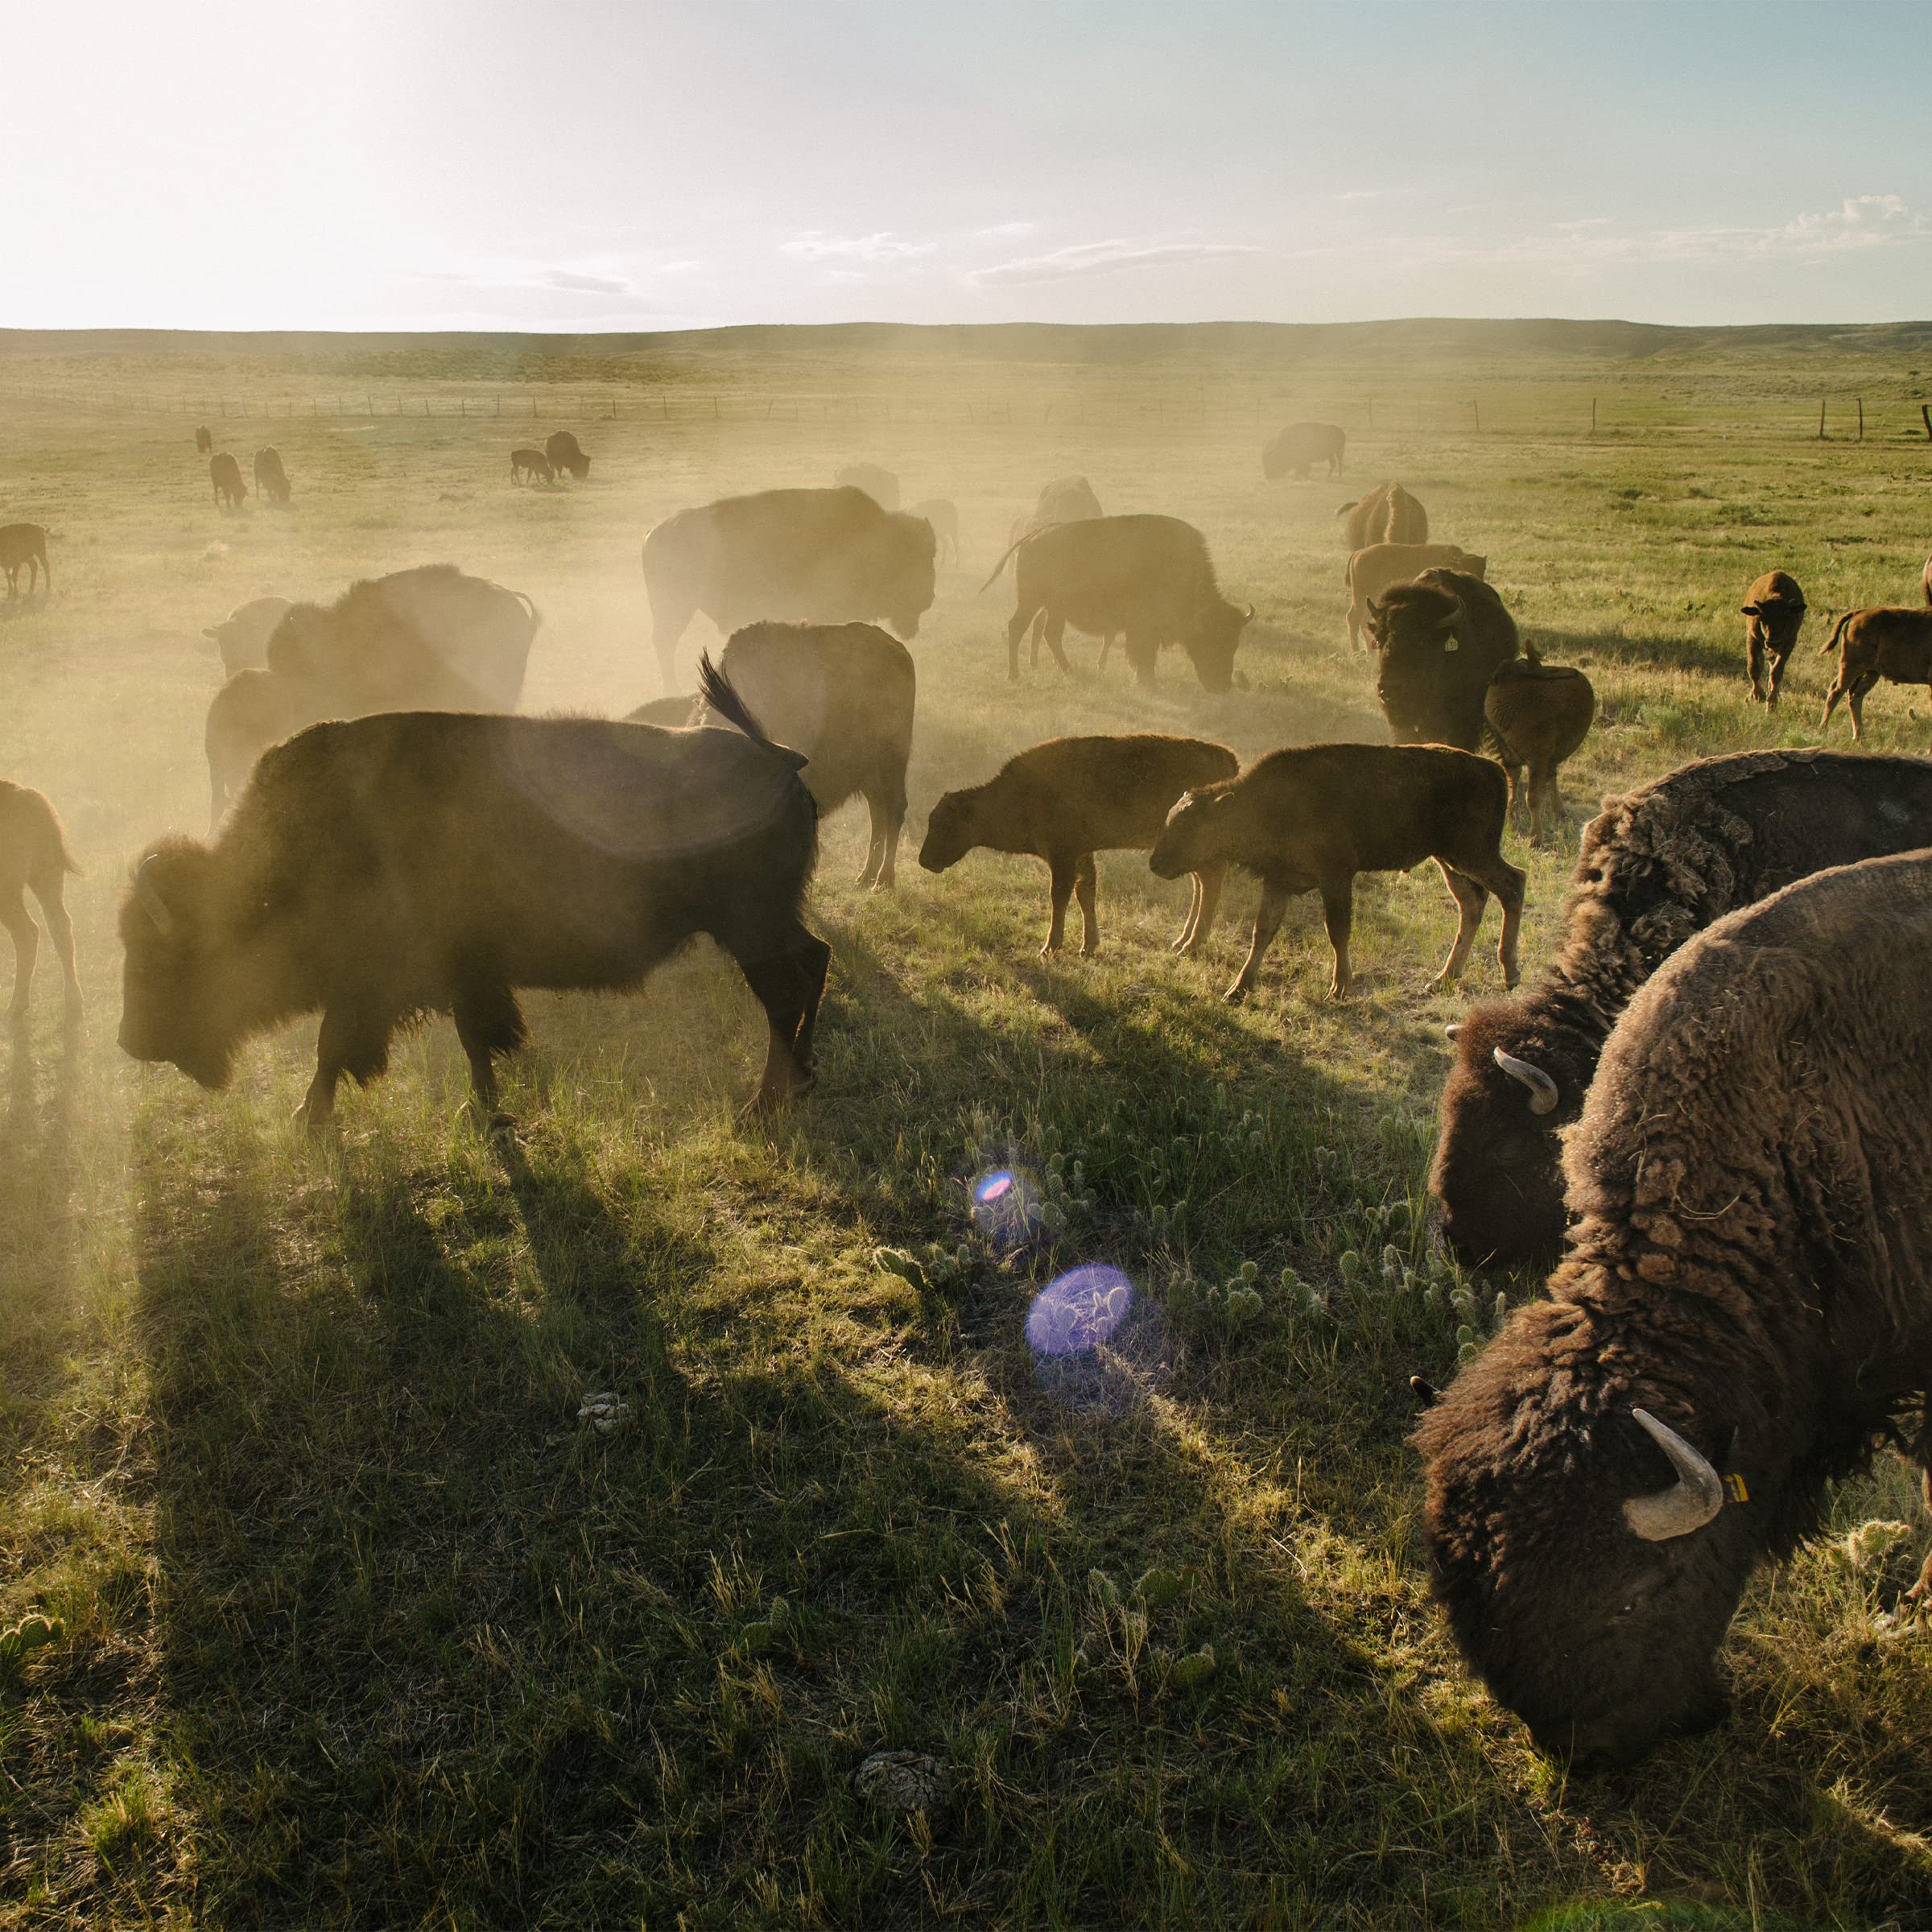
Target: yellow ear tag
{"points": [[1736, 1484]]}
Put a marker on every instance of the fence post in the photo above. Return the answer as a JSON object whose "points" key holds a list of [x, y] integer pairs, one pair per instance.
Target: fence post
{"points": [[1821, 419], [1372, 412], [1861, 418], [1476, 411], [1593, 415], [1924, 412]]}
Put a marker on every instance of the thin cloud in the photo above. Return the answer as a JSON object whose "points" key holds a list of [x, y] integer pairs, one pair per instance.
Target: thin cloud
{"points": [[1006, 231], [589, 285], [1102, 258], [815, 244]]}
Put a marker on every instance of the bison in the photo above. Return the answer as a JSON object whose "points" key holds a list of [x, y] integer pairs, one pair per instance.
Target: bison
{"points": [[1148, 577], [242, 636], [1070, 797], [423, 862], [224, 473], [942, 513], [1539, 714], [33, 854], [1372, 572], [204, 440], [1741, 1313], [563, 452], [1891, 641], [1065, 500], [1438, 642], [531, 464], [842, 695], [24, 544], [1657, 865], [271, 479], [1773, 610], [1309, 820], [1388, 514], [249, 713], [814, 556], [1291, 452], [880, 484]]}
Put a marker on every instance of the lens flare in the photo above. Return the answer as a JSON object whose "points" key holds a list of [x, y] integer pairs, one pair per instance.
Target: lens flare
{"points": [[1079, 1312], [1005, 1208]]}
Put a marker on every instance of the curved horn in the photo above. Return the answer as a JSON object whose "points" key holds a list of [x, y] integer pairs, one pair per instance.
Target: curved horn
{"points": [[1689, 1503], [1249, 618], [152, 903], [1452, 1029], [1542, 1089]]}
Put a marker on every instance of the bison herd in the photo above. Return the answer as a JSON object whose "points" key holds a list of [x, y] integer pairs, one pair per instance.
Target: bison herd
{"points": [[1706, 1114]]}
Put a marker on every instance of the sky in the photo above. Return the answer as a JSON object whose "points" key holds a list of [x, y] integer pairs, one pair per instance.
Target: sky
{"points": [[577, 166]]}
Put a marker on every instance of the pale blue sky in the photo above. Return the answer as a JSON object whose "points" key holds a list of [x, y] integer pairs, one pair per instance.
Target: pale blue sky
{"points": [[480, 164]]}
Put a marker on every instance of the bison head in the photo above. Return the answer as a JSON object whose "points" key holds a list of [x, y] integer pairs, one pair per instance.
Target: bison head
{"points": [[907, 589], [1194, 836], [166, 1010], [1580, 1544], [1212, 640], [951, 831], [1415, 632]]}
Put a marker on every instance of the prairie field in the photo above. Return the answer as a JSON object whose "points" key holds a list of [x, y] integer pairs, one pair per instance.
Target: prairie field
{"points": [[360, 1624]]}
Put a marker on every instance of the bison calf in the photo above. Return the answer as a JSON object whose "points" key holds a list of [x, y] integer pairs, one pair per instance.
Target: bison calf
{"points": [[1539, 714], [1773, 610], [1070, 797], [1388, 514], [1309, 820], [224, 473], [1374, 571], [466, 856], [532, 464], [271, 479], [1892, 641], [24, 544], [33, 854]]}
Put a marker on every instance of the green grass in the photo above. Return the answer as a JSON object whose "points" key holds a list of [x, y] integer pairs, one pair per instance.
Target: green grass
{"points": [[361, 1626]]}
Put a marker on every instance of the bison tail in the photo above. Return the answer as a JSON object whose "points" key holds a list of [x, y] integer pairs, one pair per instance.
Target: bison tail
{"points": [[1531, 653], [1000, 566], [1347, 507], [715, 690], [529, 604], [1837, 631]]}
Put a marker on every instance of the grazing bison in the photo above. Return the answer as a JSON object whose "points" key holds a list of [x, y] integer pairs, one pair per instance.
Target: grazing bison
{"points": [[271, 479], [224, 473], [1657, 866], [942, 513], [531, 464], [33, 854], [1742, 1313], [204, 440], [880, 484], [242, 636], [1438, 642], [251, 712], [564, 452], [842, 696], [24, 544], [812, 556], [1774, 608], [1892, 641], [1371, 573], [1291, 452], [421, 862], [1070, 797], [1388, 514], [1148, 577], [1309, 820], [1065, 500], [1539, 714]]}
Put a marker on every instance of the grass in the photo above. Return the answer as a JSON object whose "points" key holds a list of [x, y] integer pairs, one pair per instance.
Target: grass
{"points": [[360, 1625]]}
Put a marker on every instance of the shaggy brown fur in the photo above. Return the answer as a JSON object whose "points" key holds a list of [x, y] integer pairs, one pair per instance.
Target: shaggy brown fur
{"points": [[224, 473], [1438, 642], [254, 710], [1656, 867], [271, 479], [1370, 573], [880, 484], [242, 636], [24, 544], [564, 452], [809, 556], [531, 464], [843, 695], [33, 855], [1774, 610], [1752, 1265], [1388, 514], [1539, 714], [1292, 451], [1308, 820], [1892, 641], [420, 862], [1070, 797], [943, 515]]}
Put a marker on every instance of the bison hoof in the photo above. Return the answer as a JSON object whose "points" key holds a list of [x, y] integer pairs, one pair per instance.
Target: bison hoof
{"points": [[1236, 995]]}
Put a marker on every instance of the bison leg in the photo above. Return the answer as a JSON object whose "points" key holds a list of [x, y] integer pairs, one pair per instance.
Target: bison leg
{"points": [[1470, 897], [1754, 659], [488, 1020], [1338, 916], [51, 893], [887, 802], [1083, 882], [1061, 889], [1839, 686], [789, 988], [19, 922], [1015, 631], [1142, 652], [1206, 896], [1854, 703], [354, 1040], [1268, 917], [1777, 676], [1055, 630]]}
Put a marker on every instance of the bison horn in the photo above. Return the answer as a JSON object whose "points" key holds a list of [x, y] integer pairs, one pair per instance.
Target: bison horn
{"points": [[1689, 1503], [1249, 618], [1542, 1089], [152, 903], [1454, 1028]]}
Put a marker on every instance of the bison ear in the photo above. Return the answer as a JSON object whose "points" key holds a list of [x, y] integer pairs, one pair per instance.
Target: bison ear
{"points": [[1749, 610], [1454, 1028]]}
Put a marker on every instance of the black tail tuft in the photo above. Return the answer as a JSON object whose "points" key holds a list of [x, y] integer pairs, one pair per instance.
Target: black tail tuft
{"points": [[715, 688]]}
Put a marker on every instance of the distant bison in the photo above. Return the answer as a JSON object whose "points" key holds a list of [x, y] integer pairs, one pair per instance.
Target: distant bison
{"points": [[204, 440], [1438, 641], [880, 484], [420, 862], [1070, 797], [842, 696], [1309, 820], [531, 464], [1539, 714], [1657, 865], [1371, 573], [242, 636], [224, 473], [1292, 451], [24, 544], [814, 556], [565, 453], [1773, 610], [34, 856], [1148, 577], [271, 479], [1388, 514], [1743, 1314], [1891, 641], [943, 515]]}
